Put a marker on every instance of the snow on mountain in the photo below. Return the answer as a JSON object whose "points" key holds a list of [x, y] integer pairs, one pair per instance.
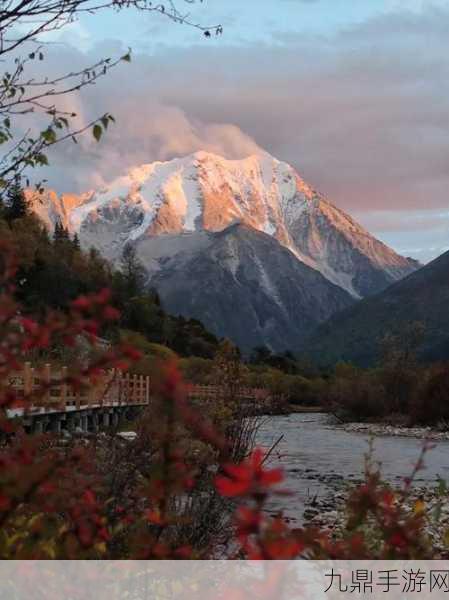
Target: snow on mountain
{"points": [[206, 275], [207, 192]]}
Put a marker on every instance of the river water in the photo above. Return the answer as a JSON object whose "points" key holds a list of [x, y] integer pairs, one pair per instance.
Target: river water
{"points": [[319, 458]]}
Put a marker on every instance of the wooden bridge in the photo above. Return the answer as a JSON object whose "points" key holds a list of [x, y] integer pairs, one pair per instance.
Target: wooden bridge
{"points": [[57, 406]]}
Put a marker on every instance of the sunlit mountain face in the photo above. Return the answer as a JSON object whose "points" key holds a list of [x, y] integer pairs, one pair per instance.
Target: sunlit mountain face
{"points": [[246, 246], [205, 192]]}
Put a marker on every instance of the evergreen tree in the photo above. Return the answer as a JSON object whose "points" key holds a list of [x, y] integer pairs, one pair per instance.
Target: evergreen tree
{"points": [[61, 234], [76, 242], [57, 232], [133, 271], [261, 355], [16, 204]]}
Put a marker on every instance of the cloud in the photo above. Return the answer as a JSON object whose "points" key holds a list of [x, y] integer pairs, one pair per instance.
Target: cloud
{"points": [[362, 115], [144, 135]]}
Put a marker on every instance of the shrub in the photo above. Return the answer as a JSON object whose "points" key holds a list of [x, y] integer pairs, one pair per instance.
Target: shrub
{"points": [[197, 370], [432, 403], [359, 398], [103, 499]]}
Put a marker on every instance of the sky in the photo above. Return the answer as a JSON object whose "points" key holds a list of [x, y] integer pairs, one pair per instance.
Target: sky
{"points": [[353, 93]]}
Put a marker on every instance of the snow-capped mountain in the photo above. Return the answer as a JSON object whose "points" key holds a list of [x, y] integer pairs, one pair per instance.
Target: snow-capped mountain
{"points": [[207, 192]]}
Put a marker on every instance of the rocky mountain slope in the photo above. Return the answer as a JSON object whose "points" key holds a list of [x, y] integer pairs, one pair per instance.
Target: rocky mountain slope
{"points": [[354, 334], [242, 284], [206, 192]]}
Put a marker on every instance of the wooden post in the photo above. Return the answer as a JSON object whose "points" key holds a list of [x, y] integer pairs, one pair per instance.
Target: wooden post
{"points": [[63, 388], [91, 392], [47, 383], [135, 389], [147, 394], [104, 390], [141, 390], [119, 386], [125, 389], [27, 379], [107, 390]]}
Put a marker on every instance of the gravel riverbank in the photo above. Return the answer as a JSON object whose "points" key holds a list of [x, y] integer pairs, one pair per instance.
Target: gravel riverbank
{"points": [[380, 429], [329, 514]]}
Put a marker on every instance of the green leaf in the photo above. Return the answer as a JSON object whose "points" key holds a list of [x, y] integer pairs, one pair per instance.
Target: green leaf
{"points": [[41, 159], [105, 121], [49, 135], [97, 131], [126, 57]]}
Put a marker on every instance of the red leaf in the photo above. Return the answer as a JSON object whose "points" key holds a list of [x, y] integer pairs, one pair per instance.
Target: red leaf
{"points": [[89, 498], [229, 488], [271, 477], [5, 503]]}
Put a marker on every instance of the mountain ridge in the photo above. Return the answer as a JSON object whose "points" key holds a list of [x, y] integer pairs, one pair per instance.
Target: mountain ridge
{"points": [[204, 191], [354, 334], [242, 284]]}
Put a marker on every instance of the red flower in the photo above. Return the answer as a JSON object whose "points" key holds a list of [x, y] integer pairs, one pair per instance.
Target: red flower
{"points": [[247, 478]]}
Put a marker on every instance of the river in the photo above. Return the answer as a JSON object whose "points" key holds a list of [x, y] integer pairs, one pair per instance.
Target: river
{"points": [[320, 459]]}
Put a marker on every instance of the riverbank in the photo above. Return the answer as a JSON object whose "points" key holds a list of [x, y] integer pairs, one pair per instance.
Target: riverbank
{"points": [[329, 514], [373, 429], [380, 430], [299, 409]]}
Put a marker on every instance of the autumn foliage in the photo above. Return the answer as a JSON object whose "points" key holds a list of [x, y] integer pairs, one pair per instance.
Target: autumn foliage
{"points": [[62, 501]]}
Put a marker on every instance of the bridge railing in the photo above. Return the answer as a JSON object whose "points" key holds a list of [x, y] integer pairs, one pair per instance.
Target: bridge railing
{"points": [[214, 391], [49, 389]]}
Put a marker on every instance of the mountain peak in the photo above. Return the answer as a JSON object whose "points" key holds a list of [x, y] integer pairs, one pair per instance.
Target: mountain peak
{"points": [[205, 191]]}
